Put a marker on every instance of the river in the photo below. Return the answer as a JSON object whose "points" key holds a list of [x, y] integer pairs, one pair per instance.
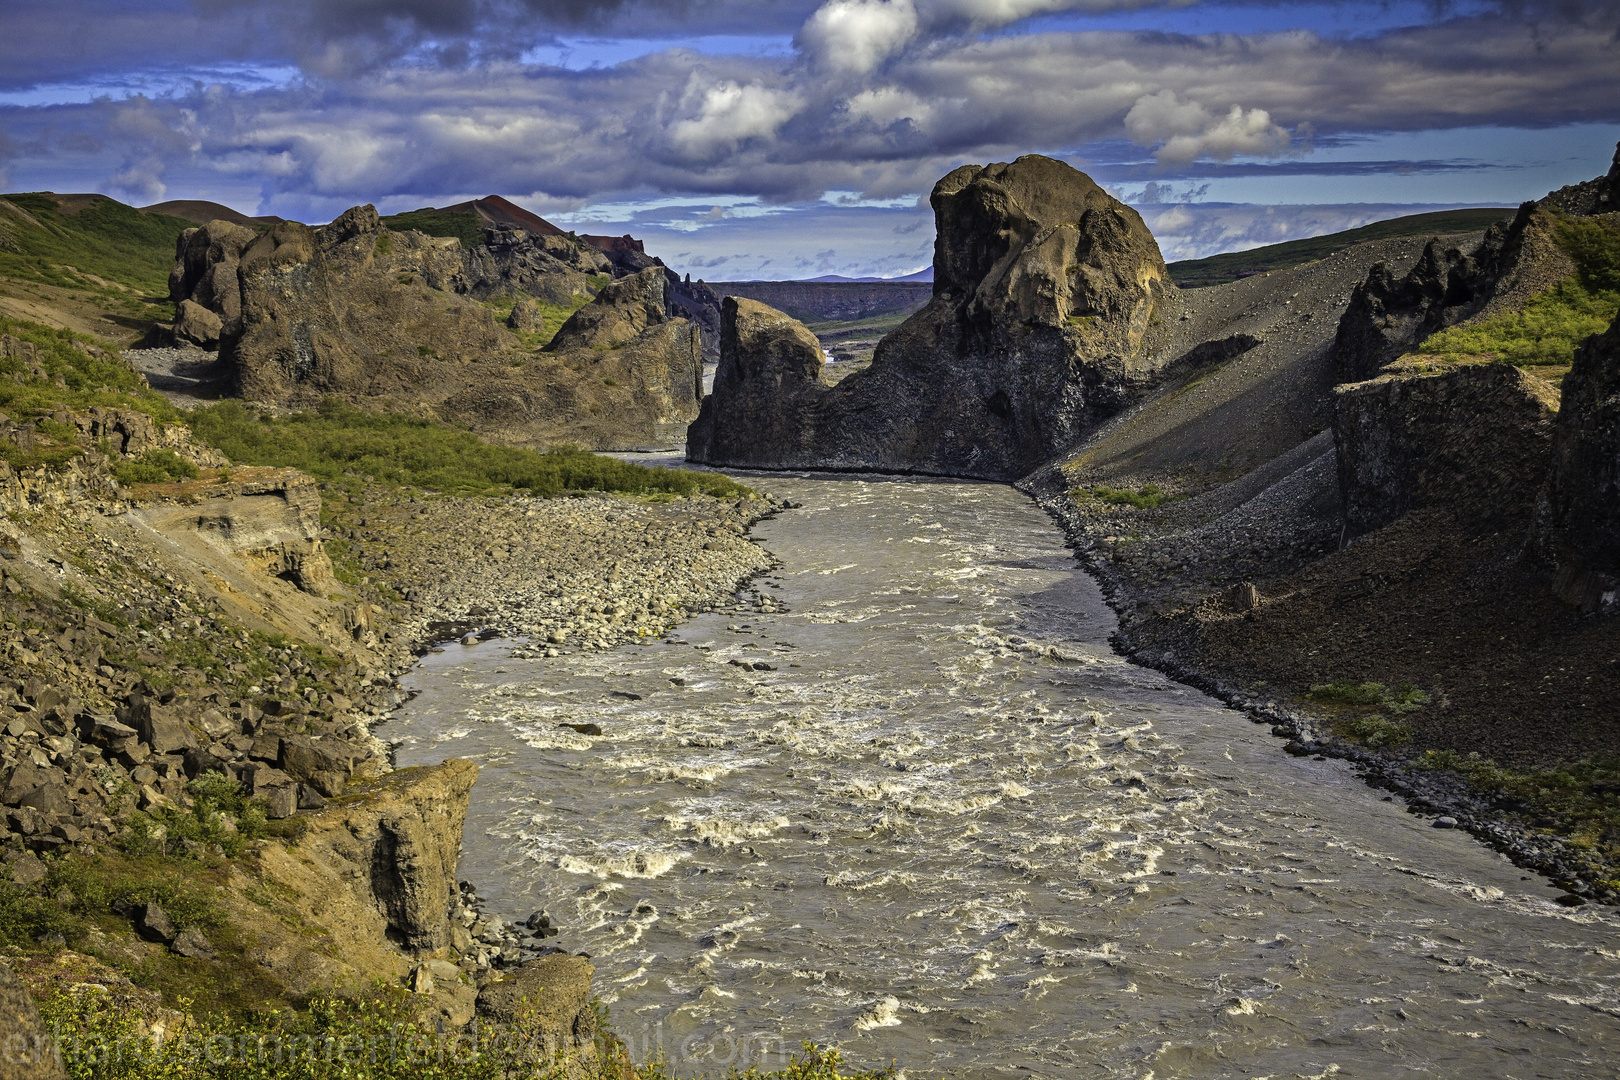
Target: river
{"points": [[948, 827]]}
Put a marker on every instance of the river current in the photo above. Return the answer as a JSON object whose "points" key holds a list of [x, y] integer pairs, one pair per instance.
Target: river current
{"points": [[948, 826]]}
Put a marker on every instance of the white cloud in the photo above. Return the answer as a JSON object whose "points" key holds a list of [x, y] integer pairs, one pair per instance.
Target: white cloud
{"points": [[855, 36], [731, 114], [1188, 131], [885, 105]]}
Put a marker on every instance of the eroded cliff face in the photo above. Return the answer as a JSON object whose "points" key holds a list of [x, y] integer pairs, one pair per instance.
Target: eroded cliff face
{"points": [[394, 320], [1579, 526], [1471, 436], [1045, 296]]}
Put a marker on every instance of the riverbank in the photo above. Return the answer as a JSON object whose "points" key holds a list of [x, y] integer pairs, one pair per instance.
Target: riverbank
{"points": [[248, 626], [1249, 599]]}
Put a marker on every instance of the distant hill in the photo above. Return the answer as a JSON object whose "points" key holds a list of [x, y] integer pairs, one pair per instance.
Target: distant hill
{"points": [[1219, 269], [925, 274], [201, 212], [835, 301], [466, 221]]}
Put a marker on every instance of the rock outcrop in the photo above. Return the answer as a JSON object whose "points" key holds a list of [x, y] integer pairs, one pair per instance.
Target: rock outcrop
{"points": [[1471, 436], [1579, 526], [550, 997], [394, 319], [1044, 297]]}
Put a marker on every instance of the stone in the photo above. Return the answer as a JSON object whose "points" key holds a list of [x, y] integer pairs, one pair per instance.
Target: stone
{"points": [[1445, 822], [323, 765], [1243, 597], [1045, 294], [27, 1048], [196, 324], [422, 980], [161, 727], [526, 318], [1578, 518], [400, 839], [154, 924], [27, 869], [309, 798], [191, 942], [552, 993], [583, 729]]}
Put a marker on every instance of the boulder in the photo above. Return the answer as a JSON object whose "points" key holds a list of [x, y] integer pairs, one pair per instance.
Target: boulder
{"points": [[154, 924], [198, 325], [621, 311], [324, 765], [38, 787], [161, 727], [1578, 526], [27, 1047], [526, 318], [191, 942], [1041, 325], [549, 997], [1471, 435]]}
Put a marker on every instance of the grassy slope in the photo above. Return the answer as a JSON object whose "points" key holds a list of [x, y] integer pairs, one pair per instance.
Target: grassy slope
{"points": [[1544, 335], [1217, 269], [464, 225], [117, 243], [338, 443]]}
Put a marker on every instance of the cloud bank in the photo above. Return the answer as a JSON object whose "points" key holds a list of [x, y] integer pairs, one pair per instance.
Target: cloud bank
{"points": [[395, 101]]}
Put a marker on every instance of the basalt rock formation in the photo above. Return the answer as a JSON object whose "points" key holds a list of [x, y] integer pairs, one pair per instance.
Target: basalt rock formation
{"points": [[1475, 437], [1045, 291], [1579, 527], [393, 319]]}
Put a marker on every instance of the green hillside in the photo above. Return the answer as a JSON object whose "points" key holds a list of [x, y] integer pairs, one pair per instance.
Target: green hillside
{"points": [[68, 241], [464, 225], [1219, 269]]}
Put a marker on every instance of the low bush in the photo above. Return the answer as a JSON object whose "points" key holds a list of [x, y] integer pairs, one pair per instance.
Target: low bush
{"points": [[1144, 498], [342, 444], [370, 1038], [154, 467]]}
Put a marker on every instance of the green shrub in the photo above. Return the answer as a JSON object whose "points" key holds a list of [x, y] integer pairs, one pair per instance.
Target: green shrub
{"points": [[1376, 731], [1406, 698], [1144, 498], [86, 379], [154, 467], [339, 443], [370, 1038]]}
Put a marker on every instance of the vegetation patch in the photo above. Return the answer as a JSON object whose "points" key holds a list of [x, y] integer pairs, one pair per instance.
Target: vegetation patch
{"points": [[1145, 497], [1581, 800], [154, 467], [343, 445], [375, 1037], [1552, 324], [465, 225], [552, 315], [1358, 710]]}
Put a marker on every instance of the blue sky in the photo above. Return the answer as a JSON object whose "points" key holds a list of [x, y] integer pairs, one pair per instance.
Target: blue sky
{"points": [[789, 138]]}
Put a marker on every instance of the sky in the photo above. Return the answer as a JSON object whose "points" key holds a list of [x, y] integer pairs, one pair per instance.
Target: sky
{"points": [[793, 138]]}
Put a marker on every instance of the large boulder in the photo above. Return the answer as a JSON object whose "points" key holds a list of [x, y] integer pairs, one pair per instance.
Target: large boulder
{"points": [[1579, 526], [548, 998], [1045, 290], [28, 1049], [1474, 436]]}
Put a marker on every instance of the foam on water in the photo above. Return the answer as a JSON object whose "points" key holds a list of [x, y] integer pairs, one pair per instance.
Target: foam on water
{"points": [[954, 829]]}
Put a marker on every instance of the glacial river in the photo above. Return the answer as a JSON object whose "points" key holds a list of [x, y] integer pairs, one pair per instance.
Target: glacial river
{"points": [[952, 829]]}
